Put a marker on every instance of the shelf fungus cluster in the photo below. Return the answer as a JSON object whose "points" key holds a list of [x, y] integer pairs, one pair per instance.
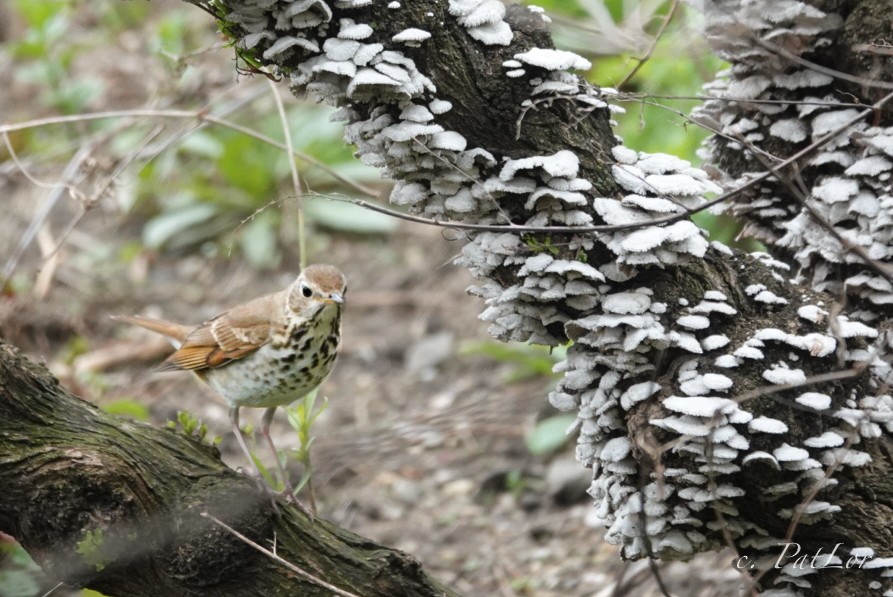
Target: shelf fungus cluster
{"points": [[678, 342], [847, 183], [713, 443]]}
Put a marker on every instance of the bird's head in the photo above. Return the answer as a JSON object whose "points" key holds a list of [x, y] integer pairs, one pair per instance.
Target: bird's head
{"points": [[317, 287]]}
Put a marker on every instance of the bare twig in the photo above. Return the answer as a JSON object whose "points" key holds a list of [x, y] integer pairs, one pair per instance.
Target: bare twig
{"points": [[462, 173], [199, 115], [663, 27], [295, 178], [800, 195], [775, 389], [884, 49], [801, 507], [277, 558], [53, 590], [101, 189], [637, 97], [788, 55], [74, 165], [460, 225]]}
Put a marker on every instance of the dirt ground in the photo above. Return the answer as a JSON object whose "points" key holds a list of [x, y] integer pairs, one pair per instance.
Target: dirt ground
{"points": [[422, 445]]}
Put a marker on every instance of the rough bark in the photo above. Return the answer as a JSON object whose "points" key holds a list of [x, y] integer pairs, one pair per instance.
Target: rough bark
{"points": [[115, 505]]}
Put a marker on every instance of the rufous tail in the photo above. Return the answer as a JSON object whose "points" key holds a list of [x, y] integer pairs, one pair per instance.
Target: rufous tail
{"points": [[175, 332]]}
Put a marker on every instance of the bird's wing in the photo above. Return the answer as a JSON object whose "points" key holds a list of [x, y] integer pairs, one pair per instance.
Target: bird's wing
{"points": [[230, 336]]}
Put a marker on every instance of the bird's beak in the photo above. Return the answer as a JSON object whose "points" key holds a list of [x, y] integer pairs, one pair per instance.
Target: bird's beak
{"points": [[334, 299]]}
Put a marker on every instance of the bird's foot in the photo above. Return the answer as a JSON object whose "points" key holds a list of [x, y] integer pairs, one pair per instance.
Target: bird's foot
{"points": [[262, 485], [290, 497], [288, 494]]}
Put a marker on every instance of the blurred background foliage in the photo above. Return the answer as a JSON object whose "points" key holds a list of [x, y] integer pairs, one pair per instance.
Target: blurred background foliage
{"points": [[217, 190], [182, 185]]}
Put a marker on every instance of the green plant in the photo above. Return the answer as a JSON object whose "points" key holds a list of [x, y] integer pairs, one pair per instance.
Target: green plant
{"points": [[515, 483], [191, 426], [549, 435], [90, 549], [528, 360], [19, 576], [127, 407], [75, 347], [301, 416], [46, 54], [540, 245], [231, 188]]}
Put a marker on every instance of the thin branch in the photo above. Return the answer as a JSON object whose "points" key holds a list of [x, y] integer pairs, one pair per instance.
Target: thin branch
{"points": [[277, 558], [775, 389], [459, 225], [53, 590], [295, 179], [663, 27], [784, 53], [800, 195], [816, 488], [636, 97], [462, 173], [882, 50], [89, 202], [712, 129], [801, 507], [199, 115], [74, 164], [712, 488]]}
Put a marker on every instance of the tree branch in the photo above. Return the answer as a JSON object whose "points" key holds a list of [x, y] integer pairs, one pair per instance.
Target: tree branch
{"points": [[118, 506]]}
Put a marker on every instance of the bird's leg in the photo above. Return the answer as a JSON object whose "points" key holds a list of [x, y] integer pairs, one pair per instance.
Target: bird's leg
{"points": [[234, 418], [289, 490]]}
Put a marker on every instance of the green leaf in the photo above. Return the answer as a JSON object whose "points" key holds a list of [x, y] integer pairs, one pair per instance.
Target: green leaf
{"points": [[247, 165], [127, 408], [76, 95], [18, 583], [36, 14], [162, 228], [264, 471], [171, 32], [259, 238], [305, 477], [529, 360], [549, 434], [322, 409], [203, 143]]}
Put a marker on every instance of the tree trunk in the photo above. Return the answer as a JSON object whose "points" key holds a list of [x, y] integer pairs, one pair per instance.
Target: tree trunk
{"points": [[117, 506]]}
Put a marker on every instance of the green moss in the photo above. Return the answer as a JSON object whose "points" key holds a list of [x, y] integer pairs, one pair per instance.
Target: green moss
{"points": [[90, 549]]}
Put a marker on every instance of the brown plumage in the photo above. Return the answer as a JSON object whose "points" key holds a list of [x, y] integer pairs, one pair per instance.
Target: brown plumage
{"points": [[267, 352]]}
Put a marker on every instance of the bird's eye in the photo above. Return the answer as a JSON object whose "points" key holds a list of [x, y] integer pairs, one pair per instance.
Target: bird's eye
{"points": [[305, 290]]}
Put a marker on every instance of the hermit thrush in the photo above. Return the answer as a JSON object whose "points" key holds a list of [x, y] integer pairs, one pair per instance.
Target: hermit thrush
{"points": [[265, 353]]}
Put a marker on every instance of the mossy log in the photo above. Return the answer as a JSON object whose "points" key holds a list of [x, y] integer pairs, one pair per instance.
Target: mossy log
{"points": [[117, 506]]}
